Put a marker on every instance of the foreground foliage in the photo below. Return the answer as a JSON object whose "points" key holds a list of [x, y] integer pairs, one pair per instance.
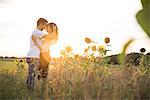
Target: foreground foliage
{"points": [[78, 79]]}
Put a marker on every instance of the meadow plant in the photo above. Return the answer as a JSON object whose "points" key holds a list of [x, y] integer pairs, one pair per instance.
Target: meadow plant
{"points": [[79, 77]]}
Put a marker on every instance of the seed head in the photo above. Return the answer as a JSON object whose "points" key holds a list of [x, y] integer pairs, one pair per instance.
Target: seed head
{"points": [[94, 48], [88, 40], [107, 40], [142, 50]]}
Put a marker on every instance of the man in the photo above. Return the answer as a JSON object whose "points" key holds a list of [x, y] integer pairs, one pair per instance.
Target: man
{"points": [[33, 56]]}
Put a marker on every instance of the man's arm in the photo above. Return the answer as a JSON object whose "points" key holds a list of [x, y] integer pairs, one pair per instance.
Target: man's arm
{"points": [[34, 40]]}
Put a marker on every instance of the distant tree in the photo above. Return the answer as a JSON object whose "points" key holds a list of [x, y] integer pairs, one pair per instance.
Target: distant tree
{"points": [[133, 58], [6, 57], [148, 54], [12, 57], [129, 58]]}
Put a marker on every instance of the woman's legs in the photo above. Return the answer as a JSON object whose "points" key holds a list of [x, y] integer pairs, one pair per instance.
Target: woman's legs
{"points": [[44, 63]]}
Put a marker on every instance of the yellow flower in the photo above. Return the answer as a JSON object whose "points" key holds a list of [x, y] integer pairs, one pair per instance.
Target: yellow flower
{"points": [[94, 48], [101, 48], [62, 52], [88, 40], [107, 40], [76, 56], [16, 61], [68, 49], [86, 50]]}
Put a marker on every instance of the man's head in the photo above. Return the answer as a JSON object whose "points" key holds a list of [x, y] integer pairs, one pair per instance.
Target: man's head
{"points": [[41, 23]]}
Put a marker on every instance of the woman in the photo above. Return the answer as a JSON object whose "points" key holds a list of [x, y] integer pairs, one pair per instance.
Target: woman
{"points": [[49, 39]]}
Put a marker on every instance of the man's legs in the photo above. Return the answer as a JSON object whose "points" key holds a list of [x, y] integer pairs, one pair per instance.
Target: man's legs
{"points": [[33, 63]]}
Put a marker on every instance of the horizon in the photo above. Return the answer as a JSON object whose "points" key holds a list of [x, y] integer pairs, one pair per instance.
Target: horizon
{"points": [[96, 19], [14, 57]]}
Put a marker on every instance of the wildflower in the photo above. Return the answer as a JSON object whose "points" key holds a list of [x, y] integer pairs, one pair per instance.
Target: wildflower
{"points": [[88, 40], [16, 61], [142, 50], [94, 48], [101, 48], [62, 52], [86, 50], [107, 40], [76, 56], [68, 49]]}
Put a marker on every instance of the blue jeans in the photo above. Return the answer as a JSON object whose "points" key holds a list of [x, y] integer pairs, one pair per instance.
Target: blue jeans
{"points": [[33, 64]]}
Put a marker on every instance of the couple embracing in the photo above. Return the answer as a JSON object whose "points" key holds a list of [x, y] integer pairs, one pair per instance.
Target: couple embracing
{"points": [[38, 57]]}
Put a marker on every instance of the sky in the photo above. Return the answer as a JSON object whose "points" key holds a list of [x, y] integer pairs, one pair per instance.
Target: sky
{"points": [[76, 19]]}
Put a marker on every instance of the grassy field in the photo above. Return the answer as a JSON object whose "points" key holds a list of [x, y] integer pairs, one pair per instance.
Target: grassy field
{"points": [[88, 77], [76, 79]]}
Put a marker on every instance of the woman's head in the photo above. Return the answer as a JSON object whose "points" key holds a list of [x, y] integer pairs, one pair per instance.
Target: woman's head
{"points": [[49, 28], [52, 29]]}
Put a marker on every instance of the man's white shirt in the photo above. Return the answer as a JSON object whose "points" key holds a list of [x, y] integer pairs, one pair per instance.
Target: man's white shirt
{"points": [[34, 51]]}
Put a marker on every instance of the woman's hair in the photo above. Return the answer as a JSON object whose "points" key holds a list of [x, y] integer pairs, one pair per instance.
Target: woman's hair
{"points": [[54, 33]]}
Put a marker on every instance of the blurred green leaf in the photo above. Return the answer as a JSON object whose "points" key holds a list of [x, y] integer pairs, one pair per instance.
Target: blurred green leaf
{"points": [[143, 16], [127, 45], [123, 54]]}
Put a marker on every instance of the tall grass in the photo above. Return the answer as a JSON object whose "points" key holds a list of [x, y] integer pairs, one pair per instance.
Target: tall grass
{"points": [[76, 77], [70, 79]]}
